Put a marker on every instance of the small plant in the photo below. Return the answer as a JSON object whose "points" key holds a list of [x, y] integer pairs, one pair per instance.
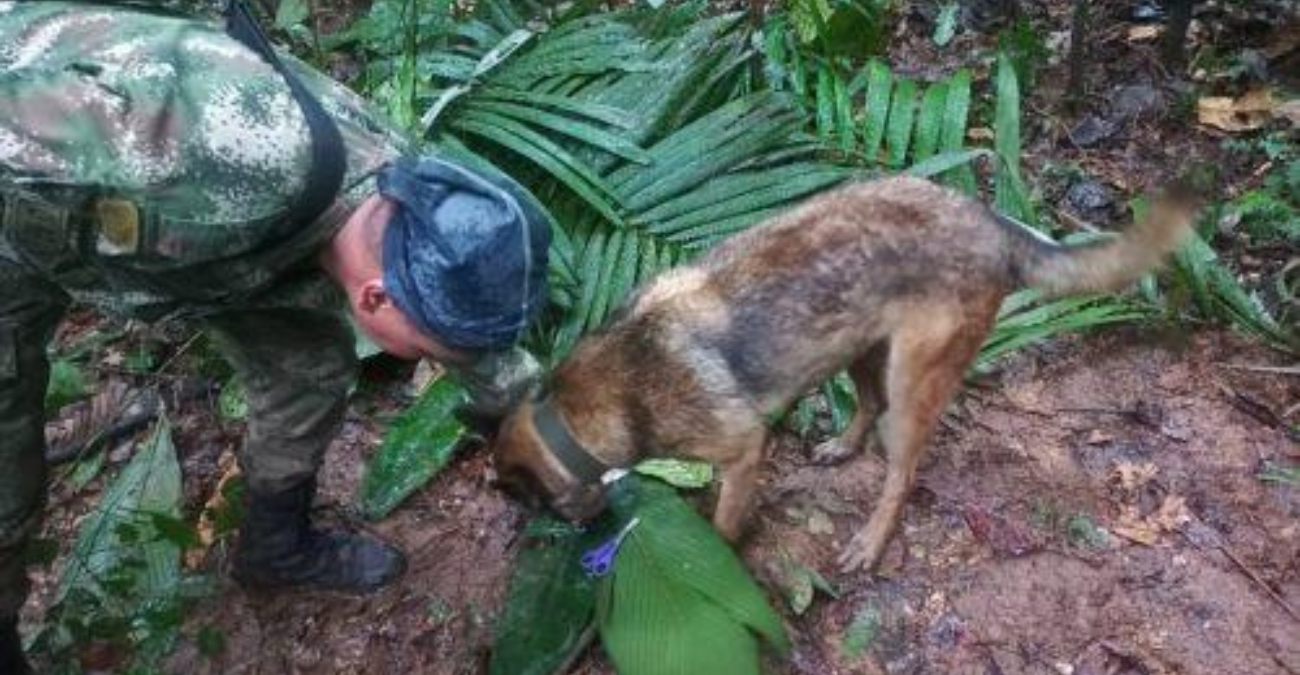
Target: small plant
{"points": [[665, 593], [122, 591]]}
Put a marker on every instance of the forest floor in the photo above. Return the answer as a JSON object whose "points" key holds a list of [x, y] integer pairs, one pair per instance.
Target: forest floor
{"points": [[1108, 504]]}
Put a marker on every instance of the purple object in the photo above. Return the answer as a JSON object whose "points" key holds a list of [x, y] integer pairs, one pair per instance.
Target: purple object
{"points": [[599, 561]]}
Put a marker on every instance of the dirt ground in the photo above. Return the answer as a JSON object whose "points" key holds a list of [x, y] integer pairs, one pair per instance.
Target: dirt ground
{"points": [[1093, 508]]}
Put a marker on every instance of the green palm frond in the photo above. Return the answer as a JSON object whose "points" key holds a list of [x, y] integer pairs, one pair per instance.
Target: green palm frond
{"points": [[628, 128]]}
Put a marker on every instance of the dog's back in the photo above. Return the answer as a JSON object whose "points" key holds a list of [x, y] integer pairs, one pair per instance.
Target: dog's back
{"points": [[786, 304]]}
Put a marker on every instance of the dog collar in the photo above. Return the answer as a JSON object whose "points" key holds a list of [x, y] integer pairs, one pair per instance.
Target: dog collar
{"points": [[563, 446]]}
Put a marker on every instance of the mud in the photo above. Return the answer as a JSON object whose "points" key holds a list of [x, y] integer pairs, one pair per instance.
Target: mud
{"points": [[1009, 560]]}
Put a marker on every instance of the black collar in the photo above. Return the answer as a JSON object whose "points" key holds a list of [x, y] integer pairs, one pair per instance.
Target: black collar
{"points": [[564, 447]]}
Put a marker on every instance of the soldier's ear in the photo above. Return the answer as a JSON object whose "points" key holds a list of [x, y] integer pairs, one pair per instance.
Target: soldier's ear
{"points": [[372, 296]]}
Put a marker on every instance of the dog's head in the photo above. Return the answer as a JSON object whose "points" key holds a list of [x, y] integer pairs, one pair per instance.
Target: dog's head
{"points": [[532, 466]]}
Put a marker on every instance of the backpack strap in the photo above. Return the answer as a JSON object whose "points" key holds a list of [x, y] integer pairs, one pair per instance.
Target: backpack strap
{"points": [[328, 158]]}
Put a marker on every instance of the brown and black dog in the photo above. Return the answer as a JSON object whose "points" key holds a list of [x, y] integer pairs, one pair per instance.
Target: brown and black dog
{"points": [[897, 280]]}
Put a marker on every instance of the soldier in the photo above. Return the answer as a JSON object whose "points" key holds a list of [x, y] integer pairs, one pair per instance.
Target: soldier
{"points": [[163, 167]]}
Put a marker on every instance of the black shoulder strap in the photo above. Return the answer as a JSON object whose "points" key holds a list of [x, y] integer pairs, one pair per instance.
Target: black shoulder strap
{"points": [[328, 159]]}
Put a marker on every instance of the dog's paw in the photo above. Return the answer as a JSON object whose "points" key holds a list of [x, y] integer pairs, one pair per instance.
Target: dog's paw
{"points": [[861, 555], [834, 451]]}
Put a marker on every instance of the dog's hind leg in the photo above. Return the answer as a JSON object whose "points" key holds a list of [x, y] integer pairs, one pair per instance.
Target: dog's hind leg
{"points": [[868, 375], [739, 477], [928, 357]]}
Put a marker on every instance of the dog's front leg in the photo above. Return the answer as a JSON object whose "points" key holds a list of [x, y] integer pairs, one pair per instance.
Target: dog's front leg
{"points": [[739, 475]]}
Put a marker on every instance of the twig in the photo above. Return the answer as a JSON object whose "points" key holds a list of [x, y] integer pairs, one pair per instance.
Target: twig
{"points": [[1245, 569], [1256, 410], [1227, 551], [1276, 370]]}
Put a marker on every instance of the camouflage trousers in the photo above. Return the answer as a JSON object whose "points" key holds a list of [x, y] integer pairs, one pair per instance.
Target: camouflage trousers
{"points": [[297, 367]]}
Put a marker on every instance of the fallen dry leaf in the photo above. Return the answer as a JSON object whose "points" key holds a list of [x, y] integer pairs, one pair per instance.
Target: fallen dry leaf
{"points": [[1289, 111], [1169, 517], [1248, 112], [1099, 437], [206, 527], [1132, 477], [1144, 33]]}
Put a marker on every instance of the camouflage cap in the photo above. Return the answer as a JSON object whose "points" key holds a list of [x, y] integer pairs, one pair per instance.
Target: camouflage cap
{"points": [[465, 252]]}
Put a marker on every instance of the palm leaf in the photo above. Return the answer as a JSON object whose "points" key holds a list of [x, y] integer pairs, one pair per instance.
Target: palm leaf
{"points": [[879, 88], [898, 128], [952, 137]]}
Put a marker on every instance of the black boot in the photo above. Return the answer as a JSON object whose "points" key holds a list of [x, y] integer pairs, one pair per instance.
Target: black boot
{"points": [[12, 660], [277, 548]]}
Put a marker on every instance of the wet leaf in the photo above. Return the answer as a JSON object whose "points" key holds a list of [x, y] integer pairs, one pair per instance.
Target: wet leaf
{"points": [[862, 632], [67, 384], [1082, 531], [290, 13], [418, 445], [86, 470], [118, 540], [679, 601], [678, 473], [801, 584], [676, 582], [945, 27], [232, 405], [549, 610]]}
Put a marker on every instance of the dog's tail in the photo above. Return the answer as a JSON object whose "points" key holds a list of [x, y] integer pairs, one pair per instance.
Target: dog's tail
{"points": [[1105, 265]]}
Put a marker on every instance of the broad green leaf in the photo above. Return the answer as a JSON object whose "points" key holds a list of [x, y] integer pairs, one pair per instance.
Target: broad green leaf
{"points": [[419, 443], [67, 384], [685, 550], [677, 473], [652, 624], [118, 539], [550, 608]]}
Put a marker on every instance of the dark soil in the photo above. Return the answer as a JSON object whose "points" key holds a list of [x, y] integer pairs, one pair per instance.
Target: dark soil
{"points": [[1009, 559]]}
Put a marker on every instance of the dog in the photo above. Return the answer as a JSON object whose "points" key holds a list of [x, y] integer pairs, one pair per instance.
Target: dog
{"points": [[897, 280]]}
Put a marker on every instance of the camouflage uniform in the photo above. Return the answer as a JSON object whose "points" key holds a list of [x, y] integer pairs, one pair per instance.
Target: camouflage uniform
{"points": [[199, 142]]}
